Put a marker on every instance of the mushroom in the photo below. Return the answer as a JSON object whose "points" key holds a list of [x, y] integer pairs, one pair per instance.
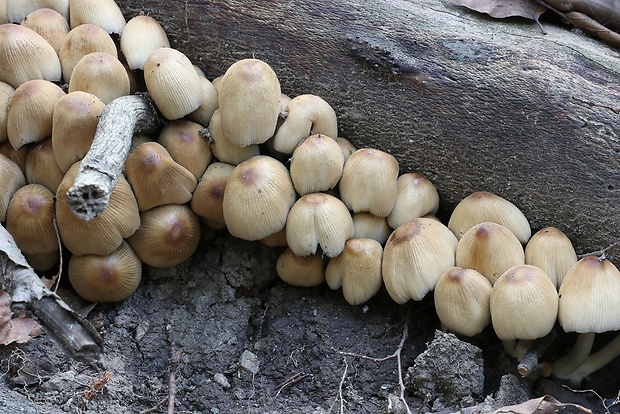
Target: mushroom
{"points": [[103, 13], [185, 144], [79, 42], [552, 251], [141, 36], [6, 93], [318, 219], [249, 102], [416, 197], [75, 119], [369, 182], [369, 226], [168, 235], [357, 270], [588, 305], [18, 10], [484, 206], [304, 115], [30, 112], [524, 307], [17, 156], [43, 262], [205, 111], [12, 178], [26, 56], [346, 146], [172, 82], [462, 298], [277, 239], [100, 74], [208, 198], [415, 255], [489, 248], [223, 149], [316, 164], [104, 233], [50, 24], [257, 198], [156, 178], [41, 166], [106, 278], [303, 271]]}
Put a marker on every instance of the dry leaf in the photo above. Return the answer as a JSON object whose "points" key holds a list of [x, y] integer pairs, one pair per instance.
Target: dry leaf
{"points": [[505, 8], [543, 405], [12, 330]]}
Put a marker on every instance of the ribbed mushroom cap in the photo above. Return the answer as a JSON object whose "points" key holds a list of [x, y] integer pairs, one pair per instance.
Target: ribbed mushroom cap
{"points": [[369, 182], [524, 304], [304, 271], [30, 219], [484, 206], [103, 13], [357, 269], [205, 111], [318, 219], [223, 149], [489, 248], [41, 166], [156, 178], [100, 74], [50, 24], [589, 297], [43, 262], [552, 251], [346, 146], [103, 234], [75, 120], [185, 144], [141, 36], [30, 114], [316, 164], [208, 198], [305, 115], [168, 235], [258, 197], [12, 179], [26, 55], [172, 82], [369, 226], [79, 42], [17, 156], [415, 255], [249, 102], [462, 298], [18, 10], [106, 278], [416, 197], [6, 93]]}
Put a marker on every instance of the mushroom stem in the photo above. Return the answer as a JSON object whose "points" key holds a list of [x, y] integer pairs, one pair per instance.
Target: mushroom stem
{"points": [[103, 164], [596, 360], [516, 348], [564, 366]]}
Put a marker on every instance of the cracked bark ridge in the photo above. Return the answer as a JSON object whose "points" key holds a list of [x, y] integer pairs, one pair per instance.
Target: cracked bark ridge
{"points": [[101, 167]]}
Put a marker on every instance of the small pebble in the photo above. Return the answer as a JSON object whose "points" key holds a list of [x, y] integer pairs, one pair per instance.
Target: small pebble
{"points": [[249, 362], [222, 381]]}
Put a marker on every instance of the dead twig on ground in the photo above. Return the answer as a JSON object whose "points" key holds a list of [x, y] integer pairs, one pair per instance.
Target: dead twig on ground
{"points": [[175, 357], [295, 378]]}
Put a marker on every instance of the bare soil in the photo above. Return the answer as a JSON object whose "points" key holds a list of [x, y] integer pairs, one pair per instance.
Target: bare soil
{"points": [[222, 334]]}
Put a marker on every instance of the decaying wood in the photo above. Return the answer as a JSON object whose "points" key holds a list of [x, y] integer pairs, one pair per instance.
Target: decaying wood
{"points": [[474, 103], [101, 167], [29, 293]]}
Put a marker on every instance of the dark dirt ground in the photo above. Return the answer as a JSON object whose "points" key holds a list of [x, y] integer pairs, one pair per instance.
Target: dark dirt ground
{"points": [[238, 340]]}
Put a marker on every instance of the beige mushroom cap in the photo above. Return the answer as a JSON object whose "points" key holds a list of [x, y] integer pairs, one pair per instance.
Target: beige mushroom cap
{"points": [[303, 271], [205, 111], [41, 166], [552, 251], [100, 74], [18, 10], [223, 149], [186, 145], [79, 42], [50, 24], [103, 13], [258, 197], [208, 198], [524, 304], [416, 197], [316, 164], [369, 226], [141, 36], [6, 93]]}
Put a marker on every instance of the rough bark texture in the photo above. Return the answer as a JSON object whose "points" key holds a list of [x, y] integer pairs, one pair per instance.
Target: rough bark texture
{"points": [[473, 103]]}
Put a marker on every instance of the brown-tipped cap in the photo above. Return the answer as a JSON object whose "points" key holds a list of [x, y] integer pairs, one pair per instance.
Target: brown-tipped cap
{"points": [[304, 271], [208, 198], [184, 142]]}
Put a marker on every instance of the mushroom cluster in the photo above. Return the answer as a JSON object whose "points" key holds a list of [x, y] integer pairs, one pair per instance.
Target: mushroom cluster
{"points": [[236, 153]]}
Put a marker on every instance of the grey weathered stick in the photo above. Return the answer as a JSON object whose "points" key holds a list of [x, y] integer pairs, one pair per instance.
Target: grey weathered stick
{"points": [[28, 292], [101, 167]]}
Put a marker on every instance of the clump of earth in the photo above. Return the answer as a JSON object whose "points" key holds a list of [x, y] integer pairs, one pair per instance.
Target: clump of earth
{"points": [[221, 333]]}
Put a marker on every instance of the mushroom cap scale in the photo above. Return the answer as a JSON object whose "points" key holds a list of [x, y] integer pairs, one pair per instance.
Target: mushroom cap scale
{"points": [[258, 196], [589, 297]]}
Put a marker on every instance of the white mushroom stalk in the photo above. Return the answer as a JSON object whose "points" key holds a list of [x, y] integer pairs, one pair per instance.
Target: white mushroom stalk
{"points": [[103, 164]]}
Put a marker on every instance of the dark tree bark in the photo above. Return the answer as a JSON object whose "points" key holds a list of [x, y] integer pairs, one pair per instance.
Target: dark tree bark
{"points": [[473, 103]]}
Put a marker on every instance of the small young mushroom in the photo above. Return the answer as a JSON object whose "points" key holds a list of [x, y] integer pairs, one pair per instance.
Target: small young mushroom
{"points": [[369, 182], [205, 111], [106, 278], [415, 255], [185, 144], [249, 102], [103, 13], [369, 226], [552, 251], [100, 74], [462, 298], [357, 270], [141, 36], [489, 248], [12, 179], [79, 42], [41, 166], [318, 219], [50, 24], [484, 206], [208, 198], [257, 198], [223, 149], [416, 197], [316, 164], [303, 271], [346, 146]]}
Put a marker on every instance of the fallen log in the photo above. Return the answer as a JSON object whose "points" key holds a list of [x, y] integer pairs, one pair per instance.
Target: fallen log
{"points": [[473, 103]]}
